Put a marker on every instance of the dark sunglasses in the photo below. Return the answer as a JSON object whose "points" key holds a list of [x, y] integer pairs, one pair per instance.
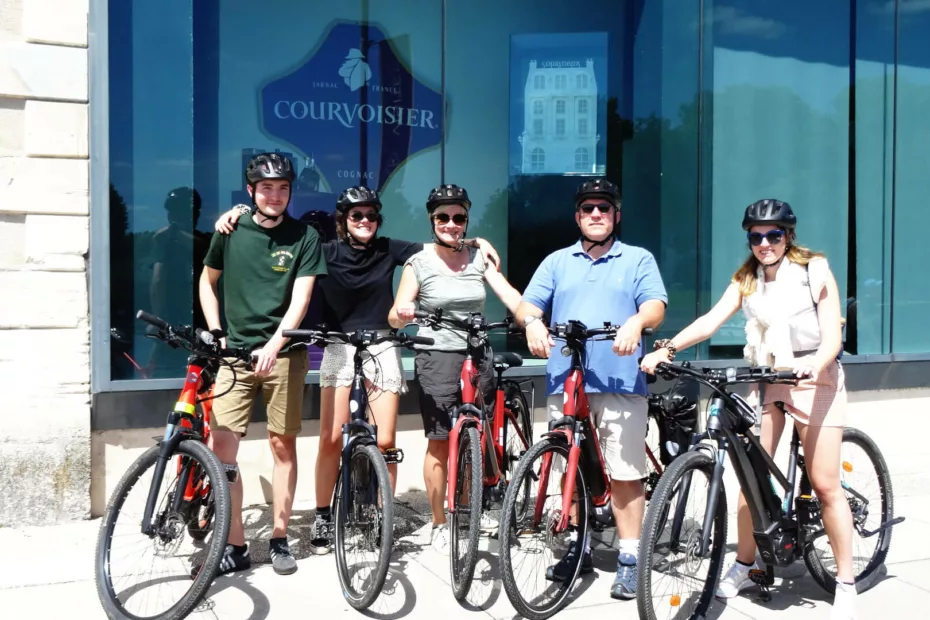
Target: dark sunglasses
{"points": [[774, 237], [458, 219], [371, 216], [602, 207]]}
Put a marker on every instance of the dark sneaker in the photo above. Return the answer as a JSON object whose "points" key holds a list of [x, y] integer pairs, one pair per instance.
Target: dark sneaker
{"points": [[624, 587], [232, 561], [322, 540], [281, 558], [561, 570]]}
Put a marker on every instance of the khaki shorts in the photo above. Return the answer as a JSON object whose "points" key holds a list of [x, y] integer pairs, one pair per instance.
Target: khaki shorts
{"points": [[621, 421], [282, 391]]}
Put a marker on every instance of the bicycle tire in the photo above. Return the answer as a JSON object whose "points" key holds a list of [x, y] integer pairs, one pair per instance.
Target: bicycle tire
{"points": [[653, 525], [462, 572], [206, 458], [362, 600], [865, 579], [524, 470]]}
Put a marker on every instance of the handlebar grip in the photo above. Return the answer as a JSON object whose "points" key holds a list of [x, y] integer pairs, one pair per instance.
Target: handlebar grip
{"points": [[421, 314], [151, 319], [421, 340], [300, 334], [783, 375], [648, 331]]}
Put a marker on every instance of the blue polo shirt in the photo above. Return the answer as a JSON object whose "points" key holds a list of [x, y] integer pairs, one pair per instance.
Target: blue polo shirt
{"points": [[570, 285]]}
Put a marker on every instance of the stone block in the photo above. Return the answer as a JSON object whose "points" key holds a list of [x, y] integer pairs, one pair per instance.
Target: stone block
{"points": [[44, 185], [53, 128], [42, 484], [44, 300], [55, 21], [12, 126], [31, 382], [11, 20], [37, 71], [12, 241], [57, 242]]}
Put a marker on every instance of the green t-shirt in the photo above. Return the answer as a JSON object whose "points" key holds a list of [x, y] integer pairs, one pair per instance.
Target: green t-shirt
{"points": [[259, 268]]}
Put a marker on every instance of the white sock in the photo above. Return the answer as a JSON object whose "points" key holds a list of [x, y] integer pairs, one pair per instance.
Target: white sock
{"points": [[630, 547], [573, 537], [845, 587]]}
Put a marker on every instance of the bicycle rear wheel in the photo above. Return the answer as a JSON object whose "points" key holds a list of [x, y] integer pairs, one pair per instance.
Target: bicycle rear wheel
{"points": [[533, 592], [124, 598], [364, 526], [867, 484], [669, 549], [466, 515]]}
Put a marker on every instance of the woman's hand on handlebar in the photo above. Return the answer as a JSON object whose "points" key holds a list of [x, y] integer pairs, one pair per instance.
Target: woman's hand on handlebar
{"points": [[406, 311], [652, 360], [538, 339], [807, 367]]}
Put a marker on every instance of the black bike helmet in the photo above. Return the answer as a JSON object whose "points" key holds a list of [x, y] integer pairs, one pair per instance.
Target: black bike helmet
{"points": [[597, 188], [182, 199], [447, 195], [358, 196], [269, 166], [769, 211]]}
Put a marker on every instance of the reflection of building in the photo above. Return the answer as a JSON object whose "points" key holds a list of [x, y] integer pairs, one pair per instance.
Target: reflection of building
{"points": [[560, 118]]}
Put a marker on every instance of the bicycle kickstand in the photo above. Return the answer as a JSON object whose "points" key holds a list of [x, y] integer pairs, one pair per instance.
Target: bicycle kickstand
{"points": [[764, 579]]}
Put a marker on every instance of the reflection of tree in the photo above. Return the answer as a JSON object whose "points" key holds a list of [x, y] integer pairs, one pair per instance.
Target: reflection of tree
{"points": [[121, 284]]}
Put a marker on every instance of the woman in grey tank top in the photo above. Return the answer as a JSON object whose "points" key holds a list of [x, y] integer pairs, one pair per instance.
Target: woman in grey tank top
{"points": [[449, 276]]}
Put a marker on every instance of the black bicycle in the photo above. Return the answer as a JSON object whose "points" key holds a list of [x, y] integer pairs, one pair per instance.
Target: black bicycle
{"points": [[363, 501], [785, 529], [188, 494]]}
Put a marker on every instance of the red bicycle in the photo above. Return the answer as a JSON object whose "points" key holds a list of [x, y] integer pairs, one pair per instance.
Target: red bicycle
{"points": [[481, 453], [571, 445], [191, 496]]}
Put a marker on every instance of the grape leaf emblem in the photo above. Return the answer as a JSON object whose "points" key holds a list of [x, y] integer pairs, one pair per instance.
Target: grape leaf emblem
{"points": [[355, 71]]}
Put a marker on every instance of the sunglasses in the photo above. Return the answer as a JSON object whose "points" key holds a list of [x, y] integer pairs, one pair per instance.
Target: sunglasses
{"points": [[774, 237], [602, 207], [458, 219], [371, 216]]}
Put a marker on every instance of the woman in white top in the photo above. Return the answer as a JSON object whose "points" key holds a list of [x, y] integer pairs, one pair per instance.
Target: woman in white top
{"points": [[792, 307]]}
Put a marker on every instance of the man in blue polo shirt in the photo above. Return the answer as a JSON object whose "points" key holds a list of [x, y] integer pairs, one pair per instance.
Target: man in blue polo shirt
{"points": [[596, 280]]}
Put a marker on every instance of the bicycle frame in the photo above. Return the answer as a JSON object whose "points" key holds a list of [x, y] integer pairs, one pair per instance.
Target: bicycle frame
{"points": [[183, 423]]}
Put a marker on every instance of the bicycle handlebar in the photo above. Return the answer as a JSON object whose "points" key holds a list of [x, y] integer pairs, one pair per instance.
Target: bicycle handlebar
{"points": [[197, 340], [576, 331], [730, 375], [476, 325], [359, 338]]}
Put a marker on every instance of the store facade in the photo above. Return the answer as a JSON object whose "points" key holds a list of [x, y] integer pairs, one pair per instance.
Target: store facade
{"points": [[694, 108]]}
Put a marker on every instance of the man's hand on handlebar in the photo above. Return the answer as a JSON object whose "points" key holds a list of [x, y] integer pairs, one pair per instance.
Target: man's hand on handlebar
{"points": [[626, 342], [538, 339]]}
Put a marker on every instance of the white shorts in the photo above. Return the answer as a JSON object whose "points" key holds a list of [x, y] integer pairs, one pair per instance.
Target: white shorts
{"points": [[621, 421], [381, 365]]}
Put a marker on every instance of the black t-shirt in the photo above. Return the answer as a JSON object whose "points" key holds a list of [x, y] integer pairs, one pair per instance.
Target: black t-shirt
{"points": [[359, 288]]}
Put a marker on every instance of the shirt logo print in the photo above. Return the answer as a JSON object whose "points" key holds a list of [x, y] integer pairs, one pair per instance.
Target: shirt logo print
{"points": [[281, 259]]}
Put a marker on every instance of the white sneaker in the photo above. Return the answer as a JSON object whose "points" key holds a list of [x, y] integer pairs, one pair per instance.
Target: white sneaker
{"points": [[439, 538], [735, 581], [489, 524], [844, 603]]}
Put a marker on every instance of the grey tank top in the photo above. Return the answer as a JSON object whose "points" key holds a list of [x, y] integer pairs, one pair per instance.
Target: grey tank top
{"points": [[457, 294]]}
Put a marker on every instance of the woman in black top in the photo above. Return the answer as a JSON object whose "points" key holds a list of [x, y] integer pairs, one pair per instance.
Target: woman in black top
{"points": [[358, 293]]}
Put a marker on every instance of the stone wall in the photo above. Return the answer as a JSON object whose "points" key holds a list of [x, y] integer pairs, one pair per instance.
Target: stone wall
{"points": [[44, 239]]}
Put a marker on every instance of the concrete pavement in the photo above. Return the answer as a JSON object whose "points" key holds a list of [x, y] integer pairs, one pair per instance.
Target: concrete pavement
{"points": [[47, 572]]}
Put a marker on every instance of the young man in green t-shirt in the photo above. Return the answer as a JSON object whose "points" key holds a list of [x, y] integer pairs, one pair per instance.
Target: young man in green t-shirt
{"points": [[270, 267]]}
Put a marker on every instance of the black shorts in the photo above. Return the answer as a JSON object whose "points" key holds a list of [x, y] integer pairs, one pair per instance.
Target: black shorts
{"points": [[438, 374]]}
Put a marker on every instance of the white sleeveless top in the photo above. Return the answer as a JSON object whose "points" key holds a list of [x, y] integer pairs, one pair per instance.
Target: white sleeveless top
{"points": [[781, 318]]}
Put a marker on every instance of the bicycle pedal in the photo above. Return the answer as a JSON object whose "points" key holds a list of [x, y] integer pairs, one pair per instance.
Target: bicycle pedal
{"points": [[763, 579], [393, 456]]}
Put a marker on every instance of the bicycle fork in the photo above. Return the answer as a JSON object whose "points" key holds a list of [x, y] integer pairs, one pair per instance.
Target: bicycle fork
{"points": [[167, 447]]}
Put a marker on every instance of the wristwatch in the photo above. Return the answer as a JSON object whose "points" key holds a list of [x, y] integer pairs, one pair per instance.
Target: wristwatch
{"points": [[666, 344], [244, 209], [529, 319]]}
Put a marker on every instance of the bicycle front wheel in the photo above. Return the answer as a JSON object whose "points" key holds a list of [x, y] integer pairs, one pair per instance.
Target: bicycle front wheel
{"points": [[466, 514], [539, 559], [866, 485], [671, 563], [364, 526], [161, 589]]}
